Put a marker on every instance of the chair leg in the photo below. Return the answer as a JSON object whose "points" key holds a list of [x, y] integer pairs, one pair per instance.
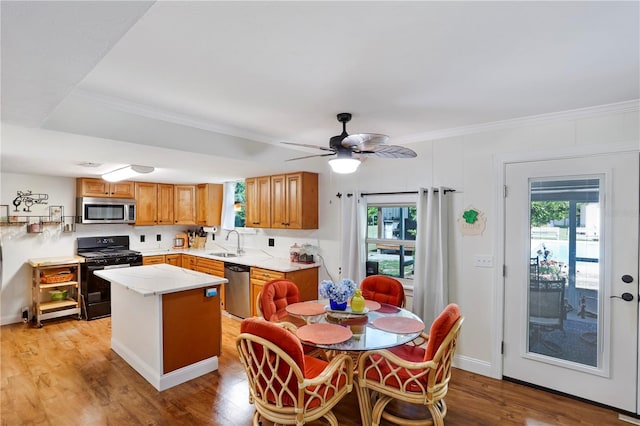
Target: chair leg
{"points": [[436, 414], [378, 409], [333, 421], [364, 402], [256, 419]]}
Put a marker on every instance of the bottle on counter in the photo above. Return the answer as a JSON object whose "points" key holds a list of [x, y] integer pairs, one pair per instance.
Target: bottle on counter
{"points": [[294, 253]]}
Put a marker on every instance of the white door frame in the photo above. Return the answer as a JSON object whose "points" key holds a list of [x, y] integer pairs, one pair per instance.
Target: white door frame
{"points": [[500, 165]]}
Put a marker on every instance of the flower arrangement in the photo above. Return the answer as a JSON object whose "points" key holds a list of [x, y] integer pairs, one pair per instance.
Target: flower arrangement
{"points": [[548, 266], [339, 292]]}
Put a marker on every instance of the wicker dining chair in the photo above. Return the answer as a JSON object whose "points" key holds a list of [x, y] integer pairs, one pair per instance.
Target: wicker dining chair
{"points": [[410, 373], [383, 289], [286, 386]]}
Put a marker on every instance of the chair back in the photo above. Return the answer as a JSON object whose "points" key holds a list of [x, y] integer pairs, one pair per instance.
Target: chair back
{"points": [[273, 361], [546, 303], [276, 295], [383, 289]]}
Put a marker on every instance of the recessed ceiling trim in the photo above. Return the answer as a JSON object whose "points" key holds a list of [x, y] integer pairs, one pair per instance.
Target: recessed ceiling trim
{"points": [[124, 105], [574, 114]]}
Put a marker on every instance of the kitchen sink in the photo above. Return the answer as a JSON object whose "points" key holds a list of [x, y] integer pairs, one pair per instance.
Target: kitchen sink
{"points": [[223, 254]]}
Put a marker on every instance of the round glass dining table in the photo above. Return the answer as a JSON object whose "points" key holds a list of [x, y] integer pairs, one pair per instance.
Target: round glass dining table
{"points": [[365, 335]]}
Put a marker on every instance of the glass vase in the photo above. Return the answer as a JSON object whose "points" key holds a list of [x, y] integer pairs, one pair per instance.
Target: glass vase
{"points": [[337, 306]]}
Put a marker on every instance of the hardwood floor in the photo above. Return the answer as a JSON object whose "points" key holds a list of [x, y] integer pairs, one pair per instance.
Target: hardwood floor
{"points": [[66, 374]]}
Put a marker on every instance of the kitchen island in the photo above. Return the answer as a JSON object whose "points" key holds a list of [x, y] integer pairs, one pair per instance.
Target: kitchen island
{"points": [[165, 321]]}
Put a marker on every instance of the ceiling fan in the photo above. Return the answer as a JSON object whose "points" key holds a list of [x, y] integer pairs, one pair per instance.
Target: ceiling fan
{"points": [[344, 146]]}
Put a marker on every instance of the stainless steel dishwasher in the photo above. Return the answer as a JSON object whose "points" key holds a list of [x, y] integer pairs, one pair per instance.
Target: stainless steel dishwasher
{"points": [[237, 289]]}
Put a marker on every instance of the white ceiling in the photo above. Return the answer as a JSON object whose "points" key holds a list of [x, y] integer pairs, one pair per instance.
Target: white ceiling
{"points": [[230, 80]]}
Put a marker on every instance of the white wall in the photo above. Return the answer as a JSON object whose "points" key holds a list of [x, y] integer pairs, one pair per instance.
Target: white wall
{"points": [[466, 163]]}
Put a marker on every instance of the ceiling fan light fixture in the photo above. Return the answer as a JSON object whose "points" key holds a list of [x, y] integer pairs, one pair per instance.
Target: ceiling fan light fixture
{"points": [[126, 173], [344, 165]]}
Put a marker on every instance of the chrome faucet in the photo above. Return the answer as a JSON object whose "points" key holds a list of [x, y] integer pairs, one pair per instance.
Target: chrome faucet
{"points": [[239, 250]]}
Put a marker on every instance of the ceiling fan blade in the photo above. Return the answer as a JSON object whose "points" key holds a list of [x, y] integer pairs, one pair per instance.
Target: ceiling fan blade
{"points": [[311, 156], [364, 141], [324, 148], [387, 151]]}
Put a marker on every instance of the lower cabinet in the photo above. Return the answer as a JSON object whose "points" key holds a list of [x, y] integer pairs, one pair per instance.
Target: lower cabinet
{"points": [[153, 260], [212, 267], [305, 279]]}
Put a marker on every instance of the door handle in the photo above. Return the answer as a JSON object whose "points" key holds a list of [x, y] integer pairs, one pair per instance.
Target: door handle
{"points": [[627, 297]]}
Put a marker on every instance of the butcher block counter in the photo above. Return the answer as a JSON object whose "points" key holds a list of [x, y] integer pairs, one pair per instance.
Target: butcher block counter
{"points": [[165, 321]]}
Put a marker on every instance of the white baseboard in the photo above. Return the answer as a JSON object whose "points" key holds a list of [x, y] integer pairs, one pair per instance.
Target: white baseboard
{"points": [[629, 419], [11, 319], [156, 378], [473, 365]]}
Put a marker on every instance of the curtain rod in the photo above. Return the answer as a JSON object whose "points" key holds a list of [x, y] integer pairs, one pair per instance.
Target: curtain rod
{"points": [[339, 194]]}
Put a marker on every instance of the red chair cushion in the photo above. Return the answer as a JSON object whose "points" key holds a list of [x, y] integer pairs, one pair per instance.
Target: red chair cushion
{"points": [[409, 353], [311, 367], [439, 331], [383, 289], [276, 295], [440, 328]]}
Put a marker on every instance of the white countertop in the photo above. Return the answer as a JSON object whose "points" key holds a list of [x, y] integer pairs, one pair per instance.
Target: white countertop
{"points": [[259, 260], [159, 279]]}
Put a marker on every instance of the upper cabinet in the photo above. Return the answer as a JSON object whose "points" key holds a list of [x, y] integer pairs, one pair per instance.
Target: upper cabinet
{"points": [[290, 202], [184, 204], [92, 187], [209, 204], [165, 203], [154, 203], [258, 202]]}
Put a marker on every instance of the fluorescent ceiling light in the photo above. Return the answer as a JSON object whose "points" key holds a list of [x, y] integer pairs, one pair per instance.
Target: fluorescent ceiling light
{"points": [[126, 173], [344, 165]]}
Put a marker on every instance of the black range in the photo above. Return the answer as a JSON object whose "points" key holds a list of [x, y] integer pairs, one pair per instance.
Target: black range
{"points": [[102, 253]]}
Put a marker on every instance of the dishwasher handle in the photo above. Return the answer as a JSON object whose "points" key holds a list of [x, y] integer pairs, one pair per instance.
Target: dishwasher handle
{"points": [[236, 268]]}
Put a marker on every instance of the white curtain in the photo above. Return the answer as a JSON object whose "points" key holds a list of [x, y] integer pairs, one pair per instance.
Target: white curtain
{"points": [[228, 200], [354, 215], [430, 282]]}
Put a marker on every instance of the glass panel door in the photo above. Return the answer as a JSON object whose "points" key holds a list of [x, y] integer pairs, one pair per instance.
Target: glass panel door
{"points": [[564, 279]]}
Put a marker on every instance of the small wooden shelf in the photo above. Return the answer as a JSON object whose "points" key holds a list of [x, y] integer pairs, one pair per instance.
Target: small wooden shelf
{"points": [[62, 284], [58, 304], [43, 307]]}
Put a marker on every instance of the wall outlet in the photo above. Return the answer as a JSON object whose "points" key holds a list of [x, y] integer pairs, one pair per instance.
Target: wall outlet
{"points": [[158, 237], [483, 261], [142, 238], [272, 242]]}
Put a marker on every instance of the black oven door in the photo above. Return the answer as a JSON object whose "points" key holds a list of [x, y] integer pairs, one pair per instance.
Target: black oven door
{"points": [[96, 292]]}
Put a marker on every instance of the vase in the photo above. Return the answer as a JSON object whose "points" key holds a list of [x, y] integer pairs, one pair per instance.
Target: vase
{"points": [[337, 306], [357, 302]]}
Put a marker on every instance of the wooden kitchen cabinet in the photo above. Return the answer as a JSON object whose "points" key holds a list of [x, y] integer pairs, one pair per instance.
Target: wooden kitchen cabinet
{"points": [[212, 267], [173, 259], [165, 203], [258, 202], [146, 203], [93, 187], [305, 279], [189, 261], [153, 260], [294, 201], [154, 203], [209, 204], [184, 207]]}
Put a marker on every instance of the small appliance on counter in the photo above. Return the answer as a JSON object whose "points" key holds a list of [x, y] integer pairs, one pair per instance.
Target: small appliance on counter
{"points": [[181, 241]]}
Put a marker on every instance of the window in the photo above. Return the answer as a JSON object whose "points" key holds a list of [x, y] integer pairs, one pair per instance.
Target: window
{"points": [[391, 238], [239, 204]]}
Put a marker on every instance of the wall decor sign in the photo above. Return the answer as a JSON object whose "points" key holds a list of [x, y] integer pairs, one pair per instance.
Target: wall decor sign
{"points": [[28, 198], [472, 222]]}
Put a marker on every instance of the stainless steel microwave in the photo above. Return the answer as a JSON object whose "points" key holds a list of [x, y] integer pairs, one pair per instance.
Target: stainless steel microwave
{"points": [[105, 210]]}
